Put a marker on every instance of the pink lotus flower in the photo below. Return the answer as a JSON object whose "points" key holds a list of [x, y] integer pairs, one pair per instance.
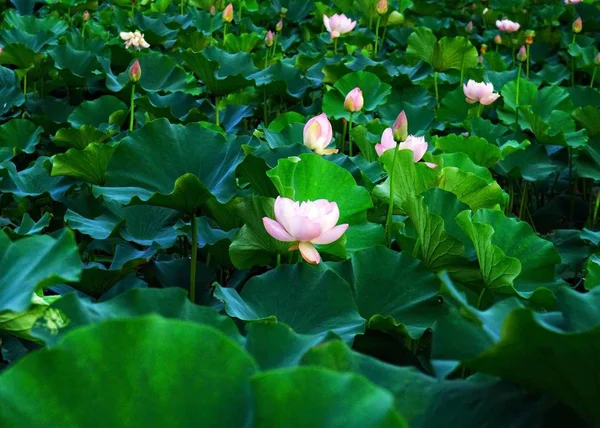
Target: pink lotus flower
{"points": [[400, 127], [522, 54], [572, 1], [86, 16], [354, 101], [279, 26], [269, 38], [318, 134], [228, 13], [577, 25], [135, 39], [135, 72], [596, 60], [508, 25], [305, 224], [382, 7], [213, 10], [469, 27], [482, 93], [417, 145], [338, 25]]}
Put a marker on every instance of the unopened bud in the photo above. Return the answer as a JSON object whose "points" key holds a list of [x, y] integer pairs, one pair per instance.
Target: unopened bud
{"points": [[498, 39], [483, 49], [228, 13], [213, 10], [522, 54], [596, 60], [400, 127], [382, 7], [269, 38], [529, 36], [86, 15], [135, 72], [578, 25], [279, 26], [469, 27]]}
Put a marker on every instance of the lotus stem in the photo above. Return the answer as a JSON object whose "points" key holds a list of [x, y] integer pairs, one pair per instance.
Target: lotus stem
{"points": [[390, 213], [241, 8], [224, 32], [523, 203], [181, 5], [211, 31], [480, 299], [83, 30], [571, 185], [350, 134], [132, 107], [593, 77], [208, 258], [335, 41], [194, 258], [517, 95], [267, 58], [384, 34], [278, 259], [462, 63], [25, 84], [479, 110], [343, 144], [377, 36], [514, 59], [596, 206], [275, 46], [435, 84], [528, 59], [217, 118], [265, 111]]}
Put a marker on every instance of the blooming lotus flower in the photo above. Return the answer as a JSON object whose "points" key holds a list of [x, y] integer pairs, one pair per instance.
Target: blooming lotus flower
{"points": [[269, 38], [354, 101], [135, 39], [382, 7], [417, 145], [572, 1], [338, 25], [135, 72], [578, 25], [228, 13], [318, 134], [482, 93], [508, 25], [400, 127], [305, 224]]}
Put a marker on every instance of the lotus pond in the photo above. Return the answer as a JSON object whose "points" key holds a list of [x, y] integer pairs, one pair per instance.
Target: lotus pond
{"points": [[287, 213]]}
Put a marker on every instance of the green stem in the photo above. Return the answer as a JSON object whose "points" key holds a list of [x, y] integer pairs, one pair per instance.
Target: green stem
{"points": [[377, 36], [528, 59], [523, 200], [194, 258], [384, 34], [435, 84], [132, 107], [574, 38], [479, 110], [571, 184], [181, 7], [517, 95], [208, 258], [335, 46], [211, 31], [267, 58], [25, 84], [513, 56], [224, 31], [278, 259], [573, 63], [217, 118], [275, 46], [481, 298], [83, 30], [241, 8], [593, 76], [596, 206], [511, 197], [350, 134], [132, 9], [265, 112], [388, 220], [344, 136]]}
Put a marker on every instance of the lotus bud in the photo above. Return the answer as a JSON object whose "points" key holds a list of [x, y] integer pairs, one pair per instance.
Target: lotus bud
{"points": [[135, 72], [483, 49], [382, 7], [1, 49], [86, 16], [578, 25], [485, 11], [498, 39], [279, 26], [354, 101], [522, 54], [469, 27], [228, 13], [473, 6], [395, 18], [400, 127], [283, 11], [529, 36], [269, 38], [213, 10], [596, 60]]}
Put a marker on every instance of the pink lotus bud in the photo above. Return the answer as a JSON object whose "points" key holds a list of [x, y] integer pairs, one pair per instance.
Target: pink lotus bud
{"points": [[318, 134], [354, 100], [498, 39], [400, 127], [578, 25], [522, 54], [135, 72], [469, 27], [305, 224], [596, 60], [228, 13], [213, 10], [338, 25], [382, 7], [86, 16], [482, 93], [269, 38], [279, 26]]}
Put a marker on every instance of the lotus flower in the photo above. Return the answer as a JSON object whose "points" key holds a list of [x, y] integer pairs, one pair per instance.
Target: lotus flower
{"points": [[86, 16], [572, 1], [305, 224], [318, 134], [508, 26], [522, 54], [269, 38], [338, 25], [417, 145], [354, 101], [135, 39], [279, 26], [228, 13], [482, 93], [498, 39], [596, 60], [578, 25], [382, 7], [135, 72], [469, 27], [400, 127]]}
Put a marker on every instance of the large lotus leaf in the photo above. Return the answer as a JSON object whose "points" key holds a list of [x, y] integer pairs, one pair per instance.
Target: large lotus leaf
{"points": [[31, 24], [174, 166], [88, 165], [75, 312], [442, 55], [28, 226], [478, 149], [589, 118], [10, 90], [121, 355], [392, 285], [245, 42], [98, 113], [533, 164], [283, 78], [309, 177], [20, 56], [296, 9], [592, 278], [409, 178], [527, 94], [18, 135], [34, 263], [78, 55], [310, 299], [375, 93], [206, 234], [34, 43], [287, 398], [20, 323], [148, 225], [513, 342], [220, 71], [513, 259], [79, 138], [97, 225], [454, 109], [33, 181]]}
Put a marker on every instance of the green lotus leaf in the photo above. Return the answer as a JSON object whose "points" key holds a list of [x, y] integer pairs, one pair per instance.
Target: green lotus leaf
{"points": [[454, 109], [19, 324], [592, 279], [33, 181], [10, 90], [20, 56], [165, 165], [382, 283], [478, 149], [589, 118], [442, 55], [533, 164], [79, 138], [97, 226], [98, 113], [32, 25], [245, 42], [30, 227], [88, 165], [283, 78], [16, 136], [78, 55], [34, 263], [76, 312], [206, 234], [127, 351], [310, 299]]}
